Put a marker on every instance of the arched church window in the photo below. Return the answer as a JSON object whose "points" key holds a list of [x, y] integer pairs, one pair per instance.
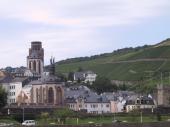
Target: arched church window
{"points": [[34, 65], [59, 96], [29, 65], [39, 65], [37, 98], [51, 95]]}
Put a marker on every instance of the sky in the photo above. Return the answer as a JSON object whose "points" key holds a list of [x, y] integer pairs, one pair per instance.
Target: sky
{"points": [[77, 28]]}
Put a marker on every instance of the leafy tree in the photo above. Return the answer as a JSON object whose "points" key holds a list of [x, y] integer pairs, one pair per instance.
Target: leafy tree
{"points": [[103, 84], [123, 87], [62, 114], [134, 115], [61, 76], [80, 69], [3, 97], [158, 116], [45, 116], [79, 80]]}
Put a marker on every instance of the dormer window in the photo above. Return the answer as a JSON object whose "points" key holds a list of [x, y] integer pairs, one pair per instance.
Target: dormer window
{"points": [[137, 101]]}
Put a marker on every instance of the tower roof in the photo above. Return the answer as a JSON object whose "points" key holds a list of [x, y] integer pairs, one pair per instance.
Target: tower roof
{"points": [[36, 42]]}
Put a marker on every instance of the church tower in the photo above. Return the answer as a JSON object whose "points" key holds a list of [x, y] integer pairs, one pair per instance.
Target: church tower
{"points": [[35, 60]]}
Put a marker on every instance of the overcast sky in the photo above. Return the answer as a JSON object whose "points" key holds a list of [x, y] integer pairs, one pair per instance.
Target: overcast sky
{"points": [[73, 28]]}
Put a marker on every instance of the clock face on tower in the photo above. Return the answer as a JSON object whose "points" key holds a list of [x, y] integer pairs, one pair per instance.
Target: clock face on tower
{"points": [[35, 60]]}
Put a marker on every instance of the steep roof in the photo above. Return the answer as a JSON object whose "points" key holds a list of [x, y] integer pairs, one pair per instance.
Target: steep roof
{"points": [[6, 79], [83, 92], [18, 79]]}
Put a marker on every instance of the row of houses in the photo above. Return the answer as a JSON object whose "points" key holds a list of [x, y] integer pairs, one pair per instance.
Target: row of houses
{"points": [[81, 98], [77, 98]]}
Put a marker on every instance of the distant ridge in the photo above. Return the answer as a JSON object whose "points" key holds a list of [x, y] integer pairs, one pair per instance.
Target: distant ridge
{"points": [[120, 64], [164, 43]]}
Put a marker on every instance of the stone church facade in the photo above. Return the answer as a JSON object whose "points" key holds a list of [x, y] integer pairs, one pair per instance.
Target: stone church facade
{"points": [[47, 89], [47, 94]]}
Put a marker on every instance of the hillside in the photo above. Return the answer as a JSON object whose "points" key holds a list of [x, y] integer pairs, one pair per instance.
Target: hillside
{"points": [[128, 64]]}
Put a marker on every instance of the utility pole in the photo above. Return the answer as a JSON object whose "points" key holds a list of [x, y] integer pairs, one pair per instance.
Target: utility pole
{"points": [[114, 116], [161, 79], [23, 114], [141, 118], [8, 111], [169, 77]]}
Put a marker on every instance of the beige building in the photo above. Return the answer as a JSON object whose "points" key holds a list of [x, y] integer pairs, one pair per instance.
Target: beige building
{"points": [[142, 102]]}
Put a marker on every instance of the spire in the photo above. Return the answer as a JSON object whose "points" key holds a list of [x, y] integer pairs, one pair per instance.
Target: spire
{"points": [[53, 60], [52, 66]]}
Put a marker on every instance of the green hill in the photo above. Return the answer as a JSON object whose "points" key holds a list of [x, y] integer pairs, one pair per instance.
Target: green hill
{"points": [[128, 64]]}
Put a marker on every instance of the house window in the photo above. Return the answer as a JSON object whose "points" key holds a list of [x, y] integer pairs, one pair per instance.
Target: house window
{"points": [[138, 101], [107, 106]]}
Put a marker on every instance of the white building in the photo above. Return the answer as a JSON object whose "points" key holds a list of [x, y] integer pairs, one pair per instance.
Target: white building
{"points": [[142, 102], [117, 100], [86, 76], [95, 106], [80, 98], [90, 77], [14, 89]]}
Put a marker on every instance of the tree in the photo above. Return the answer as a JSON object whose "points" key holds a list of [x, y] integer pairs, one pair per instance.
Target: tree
{"points": [[61, 76], [45, 116], [71, 76], [103, 84], [79, 80], [158, 116], [80, 69], [62, 114], [123, 87], [3, 97], [134, 115]]}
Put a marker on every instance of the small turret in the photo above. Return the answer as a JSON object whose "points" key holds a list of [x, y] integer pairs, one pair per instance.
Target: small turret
{"points": [[52, 66]]}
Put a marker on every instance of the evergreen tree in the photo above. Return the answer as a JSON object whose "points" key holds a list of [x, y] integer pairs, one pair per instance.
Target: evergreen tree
{"points": [[3, 97]]}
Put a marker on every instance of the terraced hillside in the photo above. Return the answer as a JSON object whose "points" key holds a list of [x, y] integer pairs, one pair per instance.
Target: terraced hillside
{"points": [[129, 65]]}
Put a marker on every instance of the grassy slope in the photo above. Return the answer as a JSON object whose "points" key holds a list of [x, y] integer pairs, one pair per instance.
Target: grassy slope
{"points": [[129, 71]]}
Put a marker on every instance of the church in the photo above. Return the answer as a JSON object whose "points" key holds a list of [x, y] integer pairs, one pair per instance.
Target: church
{"points": [[47, 90], [35, 60]]}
